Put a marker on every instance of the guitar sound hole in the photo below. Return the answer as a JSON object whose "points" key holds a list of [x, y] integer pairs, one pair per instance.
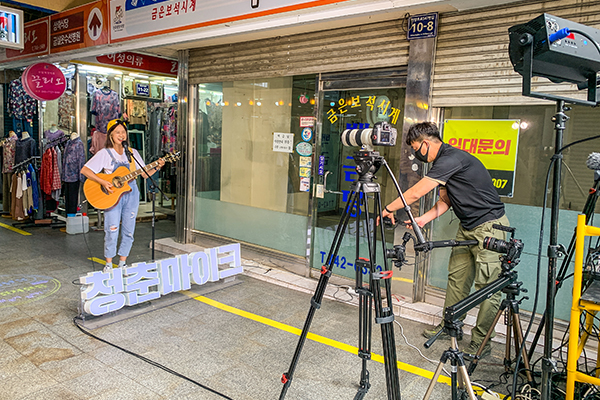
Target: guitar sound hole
{"points": [[117, 183]]}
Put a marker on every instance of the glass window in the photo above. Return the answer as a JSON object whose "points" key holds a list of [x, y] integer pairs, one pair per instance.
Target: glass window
{"points": [[245, 189], [536, 147]]}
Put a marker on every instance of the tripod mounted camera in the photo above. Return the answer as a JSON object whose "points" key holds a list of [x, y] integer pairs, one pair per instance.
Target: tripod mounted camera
{"points": [[452, 324]]}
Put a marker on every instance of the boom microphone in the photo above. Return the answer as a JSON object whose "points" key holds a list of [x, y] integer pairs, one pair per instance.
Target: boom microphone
{"points": [[593, 163]]}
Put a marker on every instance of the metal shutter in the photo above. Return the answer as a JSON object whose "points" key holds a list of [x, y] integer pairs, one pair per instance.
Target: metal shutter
{"points": [[472, 67], [369, 46]]}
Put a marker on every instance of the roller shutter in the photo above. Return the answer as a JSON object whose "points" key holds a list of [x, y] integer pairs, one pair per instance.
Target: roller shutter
{"points": [[354, 48], [472, 66]]}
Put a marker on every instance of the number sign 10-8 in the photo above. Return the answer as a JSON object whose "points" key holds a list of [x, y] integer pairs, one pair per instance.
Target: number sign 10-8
{"points": [[422, 26]]}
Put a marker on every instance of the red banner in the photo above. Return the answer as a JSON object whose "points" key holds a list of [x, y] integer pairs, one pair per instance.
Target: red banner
{"points": [[36, 41], [140, 62]]}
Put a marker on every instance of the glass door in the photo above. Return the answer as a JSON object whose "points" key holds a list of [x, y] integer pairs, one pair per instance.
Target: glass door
{"points": [[341, 110]]}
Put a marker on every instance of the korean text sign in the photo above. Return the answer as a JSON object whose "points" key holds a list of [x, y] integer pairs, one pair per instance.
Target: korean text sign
{"points": [[493, 142], [105, 292]]}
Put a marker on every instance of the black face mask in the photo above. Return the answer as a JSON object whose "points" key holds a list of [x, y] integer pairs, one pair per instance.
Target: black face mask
{"points": [[421, 157]]}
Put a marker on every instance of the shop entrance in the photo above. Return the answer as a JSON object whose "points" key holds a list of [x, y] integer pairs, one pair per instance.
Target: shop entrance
{"points": [[351, 102]]}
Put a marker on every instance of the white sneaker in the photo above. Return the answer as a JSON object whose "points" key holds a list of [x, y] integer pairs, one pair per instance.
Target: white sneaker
{"points": [[107, 268]]}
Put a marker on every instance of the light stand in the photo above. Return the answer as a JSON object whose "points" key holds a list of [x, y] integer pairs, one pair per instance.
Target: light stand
{"points": [[153, 188], [537, 48]]}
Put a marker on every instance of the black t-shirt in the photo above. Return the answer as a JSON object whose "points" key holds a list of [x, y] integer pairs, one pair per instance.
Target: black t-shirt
{"points": [[469, 186]]}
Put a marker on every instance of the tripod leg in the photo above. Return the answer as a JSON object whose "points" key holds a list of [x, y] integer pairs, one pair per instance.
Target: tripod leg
{"points": [[315, 301], [436, 375], [384, 314], [518, 340], [462, 369], [475, 360]]}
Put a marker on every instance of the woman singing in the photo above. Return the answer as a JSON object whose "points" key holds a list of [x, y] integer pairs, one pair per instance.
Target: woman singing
{"points": [[124, 213]]}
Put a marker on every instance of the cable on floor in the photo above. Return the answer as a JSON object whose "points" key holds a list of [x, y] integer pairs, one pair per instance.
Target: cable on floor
{"points": [[153, 363]]}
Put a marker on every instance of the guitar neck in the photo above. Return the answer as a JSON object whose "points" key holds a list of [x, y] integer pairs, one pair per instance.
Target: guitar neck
{"points": [[140, 171]]}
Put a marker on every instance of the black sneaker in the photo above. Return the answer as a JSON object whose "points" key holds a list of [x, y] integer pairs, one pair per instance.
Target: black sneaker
{"points": [[472, 349]]}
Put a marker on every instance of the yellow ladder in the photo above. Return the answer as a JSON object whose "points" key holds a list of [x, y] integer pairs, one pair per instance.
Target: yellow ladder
{"points": [[579, 306]]}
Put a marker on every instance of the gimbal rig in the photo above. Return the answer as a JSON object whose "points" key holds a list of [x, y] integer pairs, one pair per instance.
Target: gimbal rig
{"points": [[452, 324]]}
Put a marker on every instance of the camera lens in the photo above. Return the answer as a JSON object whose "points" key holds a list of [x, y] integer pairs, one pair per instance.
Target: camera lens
{"points": [[497, 245], [357, 137]]}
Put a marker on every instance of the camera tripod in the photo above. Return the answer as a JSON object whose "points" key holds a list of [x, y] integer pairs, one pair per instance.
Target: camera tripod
{"points": [[454, 330], [377, 291], [452, 314], [511, 305]]}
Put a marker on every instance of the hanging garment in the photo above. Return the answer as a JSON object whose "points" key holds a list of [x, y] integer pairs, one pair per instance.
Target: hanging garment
{"points": [[71, 197], [8, 153], [73, 161], [98, 141], [20, 104], [106, 107], [66, 110], [25, 149], [53, 135]]}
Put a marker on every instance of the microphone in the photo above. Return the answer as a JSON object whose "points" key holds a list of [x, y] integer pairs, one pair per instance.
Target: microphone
{"points": [[593, 163], [125, 145]]}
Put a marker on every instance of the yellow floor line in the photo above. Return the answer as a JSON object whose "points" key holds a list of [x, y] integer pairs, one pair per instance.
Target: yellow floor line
{"points": [[320, 339], [97, 260], [12, 228], [402, 280], [317, 338]]}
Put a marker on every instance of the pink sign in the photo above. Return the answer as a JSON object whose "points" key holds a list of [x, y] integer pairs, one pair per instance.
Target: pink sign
{"points": [[44, 81]]}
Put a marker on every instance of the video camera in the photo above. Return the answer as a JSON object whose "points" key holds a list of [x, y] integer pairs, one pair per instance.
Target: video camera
{"points": [[511, 248], [382, 134]]}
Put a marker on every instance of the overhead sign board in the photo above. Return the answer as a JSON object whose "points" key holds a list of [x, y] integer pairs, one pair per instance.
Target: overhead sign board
{"points": [[135, 62], [35, 41], [11, 28], [422, 26], [79, 27], [132, 19]]}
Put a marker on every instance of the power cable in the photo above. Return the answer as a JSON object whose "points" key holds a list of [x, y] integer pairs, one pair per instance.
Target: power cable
{"points": [[153, 363]]}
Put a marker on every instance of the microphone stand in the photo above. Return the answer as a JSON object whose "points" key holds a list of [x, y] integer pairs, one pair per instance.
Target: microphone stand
{"points": [[153, 188]]}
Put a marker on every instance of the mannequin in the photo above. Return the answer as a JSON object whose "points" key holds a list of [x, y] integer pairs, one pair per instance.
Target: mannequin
{"points": [[25, 135], [9, 149], [53, 128], [74, 135]]}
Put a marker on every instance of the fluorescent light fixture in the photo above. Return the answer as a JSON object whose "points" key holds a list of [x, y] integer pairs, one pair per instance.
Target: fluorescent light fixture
{"points": [[139, 75], [99, 70]]}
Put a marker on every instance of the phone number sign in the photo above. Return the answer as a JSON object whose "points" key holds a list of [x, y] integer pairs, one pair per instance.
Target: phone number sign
{"points": [[422, 26], [493, 142]]}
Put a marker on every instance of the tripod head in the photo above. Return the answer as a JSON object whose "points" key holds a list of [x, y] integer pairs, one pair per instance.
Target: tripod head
{"points": [[368, 163]]}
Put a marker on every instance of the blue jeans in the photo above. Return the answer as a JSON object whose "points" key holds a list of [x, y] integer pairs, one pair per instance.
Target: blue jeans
{"points": [[123, 213]]}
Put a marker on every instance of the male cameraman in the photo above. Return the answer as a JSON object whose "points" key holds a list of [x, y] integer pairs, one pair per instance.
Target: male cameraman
{"points": [[467, 187]]}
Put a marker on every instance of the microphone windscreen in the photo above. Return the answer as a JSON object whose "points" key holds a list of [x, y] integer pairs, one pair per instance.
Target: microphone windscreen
{"points": [[593, 161], [125, 144]]}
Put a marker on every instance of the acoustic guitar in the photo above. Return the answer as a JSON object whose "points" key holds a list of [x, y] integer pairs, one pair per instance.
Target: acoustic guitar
{"points": [[99, 197]]}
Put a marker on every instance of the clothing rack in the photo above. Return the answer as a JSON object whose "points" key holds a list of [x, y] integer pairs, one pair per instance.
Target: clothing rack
{"points": [[55, 142], [33, 222], [25, 162]]}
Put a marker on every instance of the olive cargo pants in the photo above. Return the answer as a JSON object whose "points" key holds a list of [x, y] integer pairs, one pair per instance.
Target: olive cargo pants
{"points": [[476, 264]]}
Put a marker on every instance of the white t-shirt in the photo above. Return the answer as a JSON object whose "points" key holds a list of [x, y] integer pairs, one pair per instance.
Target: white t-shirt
{"points": [[103, 161]]}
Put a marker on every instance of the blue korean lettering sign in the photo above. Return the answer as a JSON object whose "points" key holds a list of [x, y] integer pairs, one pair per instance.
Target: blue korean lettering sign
{"points": [[321, 165], [422, 26]]}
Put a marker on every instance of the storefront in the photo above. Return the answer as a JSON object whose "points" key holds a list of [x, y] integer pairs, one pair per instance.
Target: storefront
{"points": [[72, 128], [244, 186], [262, 103]]}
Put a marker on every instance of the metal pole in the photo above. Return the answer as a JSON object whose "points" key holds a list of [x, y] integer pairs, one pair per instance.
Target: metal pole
{"points": [[548, 364]]}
